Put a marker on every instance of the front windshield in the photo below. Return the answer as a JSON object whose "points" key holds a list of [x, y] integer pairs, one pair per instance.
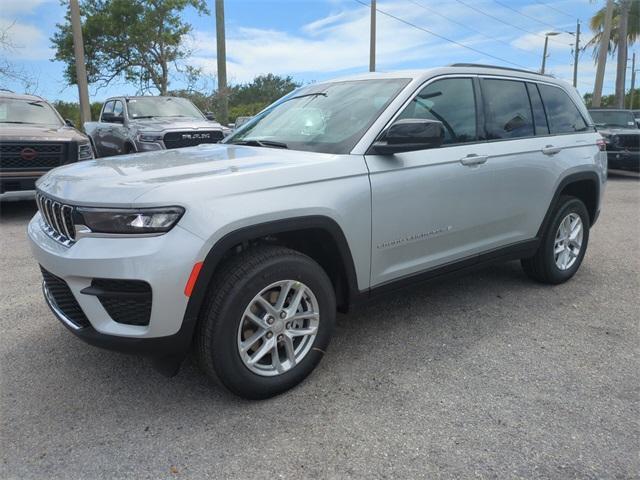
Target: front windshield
{"points": [[326, 118], [148, 107], [38, 112], [613, 118]]}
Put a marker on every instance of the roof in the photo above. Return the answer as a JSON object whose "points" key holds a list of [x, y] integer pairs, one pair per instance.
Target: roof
{"points": [[20, 96], [459, 68]]}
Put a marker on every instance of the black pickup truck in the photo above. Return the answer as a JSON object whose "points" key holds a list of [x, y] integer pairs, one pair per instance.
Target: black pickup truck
{"points": [[146, 123], [34, 139], [621, 135]]}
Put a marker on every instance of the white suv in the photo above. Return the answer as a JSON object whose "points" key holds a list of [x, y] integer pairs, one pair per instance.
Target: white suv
{"points": [[339, 191]]}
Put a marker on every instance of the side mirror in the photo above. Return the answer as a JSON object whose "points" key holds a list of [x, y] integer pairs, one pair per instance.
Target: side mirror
{"points": [[408, 135], [210, 116], [69, 123]]}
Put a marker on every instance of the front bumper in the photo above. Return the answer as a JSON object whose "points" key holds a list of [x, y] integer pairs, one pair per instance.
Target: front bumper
{"points": [[164, 262], [624, 160]]}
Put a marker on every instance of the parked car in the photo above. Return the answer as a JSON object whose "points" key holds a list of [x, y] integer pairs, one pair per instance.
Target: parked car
{"points": [[346, 190], [34, 139], [144, 124], [622, 136]]}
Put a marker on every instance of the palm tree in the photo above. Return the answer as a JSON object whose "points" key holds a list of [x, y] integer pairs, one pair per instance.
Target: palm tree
{"points": [[624, 32]]}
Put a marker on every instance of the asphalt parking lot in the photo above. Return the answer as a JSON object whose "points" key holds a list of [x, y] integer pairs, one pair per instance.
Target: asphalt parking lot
{"points": [[484, 376]]}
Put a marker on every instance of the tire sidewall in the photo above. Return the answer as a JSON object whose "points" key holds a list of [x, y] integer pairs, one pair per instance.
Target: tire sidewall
{"points": [[568, 205], [227, 362]]}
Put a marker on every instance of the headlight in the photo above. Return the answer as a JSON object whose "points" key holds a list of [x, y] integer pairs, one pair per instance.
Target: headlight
{"points": [[149, 137], [85, 152], [129, 221]]}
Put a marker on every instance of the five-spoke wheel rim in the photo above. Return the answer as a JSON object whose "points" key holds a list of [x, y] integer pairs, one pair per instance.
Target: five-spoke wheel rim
{"points": [[568, 242], [278, 328]]}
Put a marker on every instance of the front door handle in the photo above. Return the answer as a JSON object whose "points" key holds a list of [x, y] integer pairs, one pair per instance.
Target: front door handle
{"points": [[473, 159], [551, 150]]}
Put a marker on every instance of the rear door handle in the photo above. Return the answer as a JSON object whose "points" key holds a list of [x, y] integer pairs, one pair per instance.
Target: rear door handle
{"points": [[551, 150], [473, 159]]}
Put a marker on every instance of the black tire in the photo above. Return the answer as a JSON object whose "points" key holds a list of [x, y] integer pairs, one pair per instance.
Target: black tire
{"points": [[542, 266], [234, 286]]}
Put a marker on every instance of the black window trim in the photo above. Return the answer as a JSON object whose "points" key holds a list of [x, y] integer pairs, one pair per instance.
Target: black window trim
{"points": [[480, 114]]}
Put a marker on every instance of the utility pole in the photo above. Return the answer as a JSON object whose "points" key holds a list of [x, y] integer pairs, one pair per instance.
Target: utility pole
{"points": [[576, 55], [222, 63], [81, 73], [633, 79], [621, 68], [372, 40], [602, 55]]}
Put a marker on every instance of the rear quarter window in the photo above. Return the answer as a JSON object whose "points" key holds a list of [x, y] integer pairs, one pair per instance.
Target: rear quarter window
{"points": [[562, 114]]}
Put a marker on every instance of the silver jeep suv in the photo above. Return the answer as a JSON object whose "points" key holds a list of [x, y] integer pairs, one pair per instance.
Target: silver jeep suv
{"points": [[336, 193]]}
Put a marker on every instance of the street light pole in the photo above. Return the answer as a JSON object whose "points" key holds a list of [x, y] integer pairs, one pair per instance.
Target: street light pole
{"points": [[372, 39], [576, 55], [546, 45]]}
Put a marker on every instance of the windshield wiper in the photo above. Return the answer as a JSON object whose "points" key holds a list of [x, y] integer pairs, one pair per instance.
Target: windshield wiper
{"points": [[260, 143]]}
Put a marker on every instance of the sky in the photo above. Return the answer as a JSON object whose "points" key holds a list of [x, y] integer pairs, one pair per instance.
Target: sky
{"points": [[312, 40]]}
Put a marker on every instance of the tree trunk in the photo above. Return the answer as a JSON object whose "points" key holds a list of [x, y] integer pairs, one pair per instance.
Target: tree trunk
{"points": [[621, 71], [602, 55]]}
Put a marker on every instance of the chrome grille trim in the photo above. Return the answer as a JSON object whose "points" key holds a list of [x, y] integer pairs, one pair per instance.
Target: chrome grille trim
{"points": [[57, 219]]}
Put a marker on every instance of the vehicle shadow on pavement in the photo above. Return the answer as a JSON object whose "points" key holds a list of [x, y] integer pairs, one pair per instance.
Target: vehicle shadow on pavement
{"points": [[17, 211]]}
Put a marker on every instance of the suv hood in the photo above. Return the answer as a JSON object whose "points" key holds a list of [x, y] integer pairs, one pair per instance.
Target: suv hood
{"points": [[45, 133], [160, 124], [119, 181]]}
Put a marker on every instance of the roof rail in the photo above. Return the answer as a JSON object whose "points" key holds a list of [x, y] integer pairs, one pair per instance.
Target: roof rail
{"points": [[480, 65], [6, 90]]}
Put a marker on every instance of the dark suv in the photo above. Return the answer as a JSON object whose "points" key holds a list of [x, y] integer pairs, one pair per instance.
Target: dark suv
{"points": [[622, 136], [34, 139]]}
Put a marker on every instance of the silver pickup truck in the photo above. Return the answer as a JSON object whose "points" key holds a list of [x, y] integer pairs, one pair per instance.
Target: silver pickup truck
{"points": [[143, 124]]}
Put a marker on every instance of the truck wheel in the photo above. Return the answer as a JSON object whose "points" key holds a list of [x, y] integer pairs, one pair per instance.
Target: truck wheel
{"points": [[563, 244], [267, 321]]}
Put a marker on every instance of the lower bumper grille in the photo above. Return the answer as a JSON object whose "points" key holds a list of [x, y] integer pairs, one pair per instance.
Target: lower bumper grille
{"points": [[62, 299], [126, 301]]}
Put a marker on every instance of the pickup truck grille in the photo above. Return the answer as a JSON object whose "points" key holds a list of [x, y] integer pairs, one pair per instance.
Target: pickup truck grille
{"points": [[32, 156], [58, 219], [190, 139]]}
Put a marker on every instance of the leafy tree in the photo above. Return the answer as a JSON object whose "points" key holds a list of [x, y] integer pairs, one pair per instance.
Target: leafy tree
{"points": [[71, 111], [138, 40], [609, 101], [633, 22]]}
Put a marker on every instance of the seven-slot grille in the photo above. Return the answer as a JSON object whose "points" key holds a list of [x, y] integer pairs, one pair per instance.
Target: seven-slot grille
{"points": [[191, 138], [22, 156], [58, 219]]}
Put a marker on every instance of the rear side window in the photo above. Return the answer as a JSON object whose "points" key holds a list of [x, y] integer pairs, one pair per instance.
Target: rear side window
{"points": [[539, 117], [507, 109], [450, 101], [562, 113]]}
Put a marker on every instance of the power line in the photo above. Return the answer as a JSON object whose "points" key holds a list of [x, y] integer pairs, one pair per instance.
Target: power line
{"points": [[554, 8], [441, 36], [469, 28], [505, 22], [526, 16]]}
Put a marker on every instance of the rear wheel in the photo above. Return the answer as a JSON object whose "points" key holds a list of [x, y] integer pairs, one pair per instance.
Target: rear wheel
{"points": [[563, 244], [267, 323]]}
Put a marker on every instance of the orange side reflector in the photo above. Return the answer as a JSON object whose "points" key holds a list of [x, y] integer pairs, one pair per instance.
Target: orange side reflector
{"points": [[188, 288]]}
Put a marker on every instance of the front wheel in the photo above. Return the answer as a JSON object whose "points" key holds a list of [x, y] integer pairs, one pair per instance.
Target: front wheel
{"points": [[267, 323], [563, 244]]}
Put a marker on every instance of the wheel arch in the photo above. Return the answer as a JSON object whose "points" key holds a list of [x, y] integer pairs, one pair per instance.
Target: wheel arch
{"points": [[319, 237], [583, 185]]}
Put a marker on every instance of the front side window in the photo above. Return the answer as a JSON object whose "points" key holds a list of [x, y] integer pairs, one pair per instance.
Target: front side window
{"points": [[38, 112], [450, 101], [507, 109], [562, 113], [325, 118], [117, 108], [108, 107]]}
